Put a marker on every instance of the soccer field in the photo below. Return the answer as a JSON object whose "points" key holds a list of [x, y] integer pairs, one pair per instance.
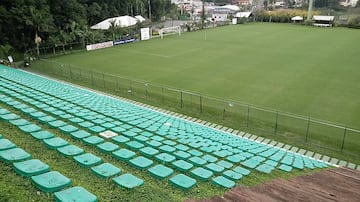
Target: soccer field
{"points": [[303, 70]]}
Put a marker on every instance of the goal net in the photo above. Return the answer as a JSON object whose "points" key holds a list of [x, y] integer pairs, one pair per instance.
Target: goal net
{"points": [[169, 31]]}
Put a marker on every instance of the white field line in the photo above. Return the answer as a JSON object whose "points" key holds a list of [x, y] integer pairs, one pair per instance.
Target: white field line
{"points": [[147, 53], [185, 52]]}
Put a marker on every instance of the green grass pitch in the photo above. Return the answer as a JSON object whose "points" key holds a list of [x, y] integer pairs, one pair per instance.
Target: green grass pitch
{"points": [[303, 70]]}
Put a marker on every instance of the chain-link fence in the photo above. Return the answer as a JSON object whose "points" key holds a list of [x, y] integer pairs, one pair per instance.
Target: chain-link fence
{"points": [[293, 129]]}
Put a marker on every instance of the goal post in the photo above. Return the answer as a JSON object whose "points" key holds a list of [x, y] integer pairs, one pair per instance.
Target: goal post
{"points": [[169, 31]]}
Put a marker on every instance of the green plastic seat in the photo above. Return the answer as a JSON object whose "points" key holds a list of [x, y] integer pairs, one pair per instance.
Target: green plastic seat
{"points": [[97, 129], [250, 163], [76, 120], [223, 182], [28, 110], [165, 158], [197, 161], [98, 121], [232, 175], [43, 134], [123, 154], [141, 162], [86, 124], [87, 159], [80, 134], [183, 182], [30, 167], [241, 170], [148, 151], [70, 150], [153, 143], [209, 158], [128, 181], [67, 129], [19, 122], [201, 173], [9, 117], [47, 119], [30, 128], [75, 194], [107, 125], [55, 142], [167, 149], [93, 140], [37, 114], [106, 170], [14, 155], [169, 142], [160, 171], [298, 163], [56, 124], [6, 144], [141, 138], [66, 116], [129, 133], [157, 138], [182, 165], [285, 168], [214, 167], [195, 152], [225, 164], [181, 155], [146, 134], [134, 145], [51, 181], [265, 168], [235, 158], [107, 147], [120, 139], [182, 147], [118, 129], [4, 111], [271, 163]]}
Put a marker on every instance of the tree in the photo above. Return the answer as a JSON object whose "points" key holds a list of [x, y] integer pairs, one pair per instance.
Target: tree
{"points": [[6, 50], [40, 20]]}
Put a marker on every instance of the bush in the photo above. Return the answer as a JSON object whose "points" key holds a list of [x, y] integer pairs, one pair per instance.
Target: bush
{"points": [[308, 22], [354, 22]]}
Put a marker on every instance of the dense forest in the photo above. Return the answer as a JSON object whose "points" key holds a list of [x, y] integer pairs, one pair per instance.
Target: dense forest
{"points": [[22, 22]]}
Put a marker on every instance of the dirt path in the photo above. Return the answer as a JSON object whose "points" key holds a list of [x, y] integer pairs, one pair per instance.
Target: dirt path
{"points": [[331, 185]]}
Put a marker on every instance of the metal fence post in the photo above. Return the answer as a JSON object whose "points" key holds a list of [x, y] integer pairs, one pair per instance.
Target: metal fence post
{"points": [[200, 103], [343, 140], [181, 99], [80, 74], [307, 130], [146, 90], [103, 78], [70, 72], [92, 78], [247, 118], [276, 122], [224, 114], [162, 94]]}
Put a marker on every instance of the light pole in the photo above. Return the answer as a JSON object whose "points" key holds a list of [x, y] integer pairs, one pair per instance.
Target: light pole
{"points": [[149, 10], [309, 14]]}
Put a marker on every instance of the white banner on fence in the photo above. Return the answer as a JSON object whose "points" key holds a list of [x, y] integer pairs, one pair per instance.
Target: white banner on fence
{"points": [[145, 33], [99, 45], [234, 21]]}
